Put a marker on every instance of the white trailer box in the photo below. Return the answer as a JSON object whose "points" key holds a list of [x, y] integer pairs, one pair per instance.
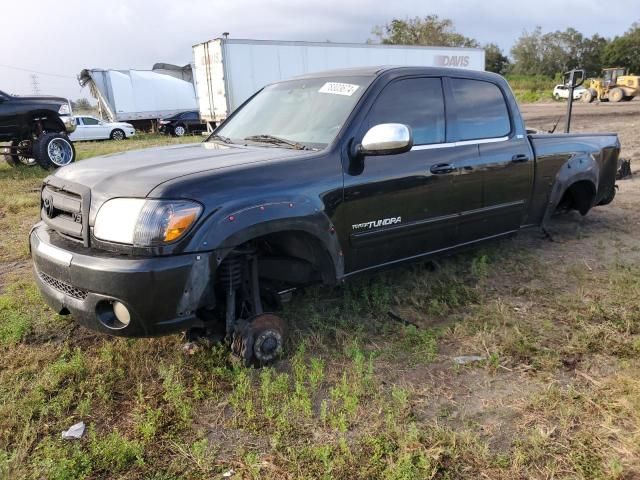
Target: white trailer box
{"points": [[128, 95], [228, 71]]}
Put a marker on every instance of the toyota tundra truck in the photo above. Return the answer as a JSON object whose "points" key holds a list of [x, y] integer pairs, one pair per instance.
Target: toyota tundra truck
{"points": [[312, 180]]}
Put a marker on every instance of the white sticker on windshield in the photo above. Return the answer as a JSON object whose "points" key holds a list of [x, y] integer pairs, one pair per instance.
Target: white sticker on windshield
{"points": [[336, 88]]}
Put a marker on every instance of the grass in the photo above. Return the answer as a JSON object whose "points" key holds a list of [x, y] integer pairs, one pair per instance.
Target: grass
{"points": [[532, 88], [360, 394]]}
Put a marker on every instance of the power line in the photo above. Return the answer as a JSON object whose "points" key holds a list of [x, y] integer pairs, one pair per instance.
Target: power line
{"points": [[36, 71]]}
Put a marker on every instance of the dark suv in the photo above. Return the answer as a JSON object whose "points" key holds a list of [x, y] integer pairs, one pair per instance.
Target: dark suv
{"points": [[183, 123]]}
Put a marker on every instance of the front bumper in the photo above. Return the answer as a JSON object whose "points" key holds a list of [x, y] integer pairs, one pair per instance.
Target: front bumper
{"points": [[162, 294], [69, 123]]}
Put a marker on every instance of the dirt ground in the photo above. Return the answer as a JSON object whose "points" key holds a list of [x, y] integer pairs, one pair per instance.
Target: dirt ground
{"points": [[622, 118]]}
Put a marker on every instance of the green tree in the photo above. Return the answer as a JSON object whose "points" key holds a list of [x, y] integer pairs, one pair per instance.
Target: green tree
{"points": [[494, 60], [592, 55], [538, 53], [430, 30], [624, 51], [81, 104]]}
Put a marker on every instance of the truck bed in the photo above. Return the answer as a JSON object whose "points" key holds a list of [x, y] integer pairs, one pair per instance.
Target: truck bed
{"points": [[561, 160]]}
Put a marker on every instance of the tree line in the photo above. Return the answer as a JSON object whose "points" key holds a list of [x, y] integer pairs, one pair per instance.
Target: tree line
{"points": [[533, 53]]}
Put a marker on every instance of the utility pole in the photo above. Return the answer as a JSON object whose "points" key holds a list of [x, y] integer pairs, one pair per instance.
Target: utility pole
{"points": [[35, 84]]}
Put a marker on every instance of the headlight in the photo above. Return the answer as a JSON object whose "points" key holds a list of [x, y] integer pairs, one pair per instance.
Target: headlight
{"points": [[65, 109], [144, 223]]}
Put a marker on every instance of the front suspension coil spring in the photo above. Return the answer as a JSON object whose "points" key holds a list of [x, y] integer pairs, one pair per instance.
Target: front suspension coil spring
{"points": [[230, 273]]}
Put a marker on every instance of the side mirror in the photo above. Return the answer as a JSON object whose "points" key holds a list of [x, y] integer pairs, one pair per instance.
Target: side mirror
{"points": [[386, 139]]}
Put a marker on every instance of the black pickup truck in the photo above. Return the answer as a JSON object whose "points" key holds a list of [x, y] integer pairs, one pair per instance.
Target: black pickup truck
{"points": [[316, 179], [36, 129]]}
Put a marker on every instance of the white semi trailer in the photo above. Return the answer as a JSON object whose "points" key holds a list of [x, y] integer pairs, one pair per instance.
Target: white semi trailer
{"points": [[228, 71]]}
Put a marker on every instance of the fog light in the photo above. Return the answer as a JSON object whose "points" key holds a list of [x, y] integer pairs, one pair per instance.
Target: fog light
{"points": [[122, 313]]}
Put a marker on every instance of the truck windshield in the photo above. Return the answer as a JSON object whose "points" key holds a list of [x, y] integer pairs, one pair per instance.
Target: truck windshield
{"points": [[306, 113]]}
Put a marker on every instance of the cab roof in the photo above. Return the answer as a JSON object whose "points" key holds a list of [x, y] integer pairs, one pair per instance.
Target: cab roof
{"points": [[374, 71]]}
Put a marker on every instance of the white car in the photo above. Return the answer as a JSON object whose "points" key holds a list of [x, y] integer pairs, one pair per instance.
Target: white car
{"points": [[91, 128], [562, 91]]}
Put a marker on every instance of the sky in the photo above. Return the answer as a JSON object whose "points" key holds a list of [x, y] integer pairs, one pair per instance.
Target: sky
{"points": [[57, 39]]}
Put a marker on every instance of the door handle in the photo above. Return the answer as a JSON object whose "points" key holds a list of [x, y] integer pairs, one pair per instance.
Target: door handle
{"points": [[521, 157], [442, 168]]}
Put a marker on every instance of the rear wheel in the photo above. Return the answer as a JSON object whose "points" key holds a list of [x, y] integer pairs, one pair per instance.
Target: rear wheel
{"points": [[21, 154], [556, 97], [117, 134], [179, 130], [53, 150], [616, 95]]}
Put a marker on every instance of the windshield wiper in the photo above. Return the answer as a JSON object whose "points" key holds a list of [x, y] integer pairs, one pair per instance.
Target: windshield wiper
{"points": [[264, 138], [222, 138]]}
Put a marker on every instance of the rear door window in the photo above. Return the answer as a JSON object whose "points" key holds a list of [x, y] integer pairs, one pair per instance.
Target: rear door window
{"points": [[416, 102], [90, 121], [480, 110]]}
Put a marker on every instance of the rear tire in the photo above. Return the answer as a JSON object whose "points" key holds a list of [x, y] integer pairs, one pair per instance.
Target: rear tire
{"points": [[556, 97], [117, 134], [616, 95], [21, 154], [53, 150]]}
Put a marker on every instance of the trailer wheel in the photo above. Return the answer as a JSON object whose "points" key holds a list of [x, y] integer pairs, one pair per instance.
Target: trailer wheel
{"points": [[616, 95], [179, 130], [53, 150], [21, 154]]}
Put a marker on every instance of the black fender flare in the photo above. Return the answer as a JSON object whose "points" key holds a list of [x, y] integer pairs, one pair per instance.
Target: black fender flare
{"points": [[582, 167], [228, 228]]}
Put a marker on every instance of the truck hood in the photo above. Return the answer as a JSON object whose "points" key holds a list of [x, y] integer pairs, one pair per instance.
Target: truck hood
{"points": [[38, 98], [137, 173]]}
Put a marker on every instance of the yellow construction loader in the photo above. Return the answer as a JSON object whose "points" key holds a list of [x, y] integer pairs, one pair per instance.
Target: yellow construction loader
{"points": [[615, 85]]}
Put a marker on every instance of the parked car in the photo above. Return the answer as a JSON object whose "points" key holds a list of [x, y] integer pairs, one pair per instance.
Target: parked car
{"points": [[562, 91], [92, 128], [182, 124], [316, 179], [37, 128]]}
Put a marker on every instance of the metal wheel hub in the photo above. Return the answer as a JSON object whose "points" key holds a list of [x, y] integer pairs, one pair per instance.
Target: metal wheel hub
{"points": [[118, 135], [60, 152], [259, 340], [25, 154], [180, 131]]}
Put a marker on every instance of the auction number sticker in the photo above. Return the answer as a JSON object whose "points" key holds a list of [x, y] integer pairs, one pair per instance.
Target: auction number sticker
{"points": [[337, 88]]}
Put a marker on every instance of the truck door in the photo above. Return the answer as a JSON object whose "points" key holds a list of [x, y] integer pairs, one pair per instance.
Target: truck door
{"points": [[502, 175], [400, 206]]}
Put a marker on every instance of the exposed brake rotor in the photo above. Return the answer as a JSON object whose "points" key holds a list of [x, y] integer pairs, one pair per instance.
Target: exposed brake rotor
{"points": [[259, 340]]}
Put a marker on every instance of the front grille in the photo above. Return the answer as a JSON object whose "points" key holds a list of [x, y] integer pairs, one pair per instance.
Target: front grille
{"points": [[63, 287], [65, 208]]}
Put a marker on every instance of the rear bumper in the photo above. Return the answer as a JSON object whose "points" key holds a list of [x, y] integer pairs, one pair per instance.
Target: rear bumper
{"points": [[161, 293]]}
